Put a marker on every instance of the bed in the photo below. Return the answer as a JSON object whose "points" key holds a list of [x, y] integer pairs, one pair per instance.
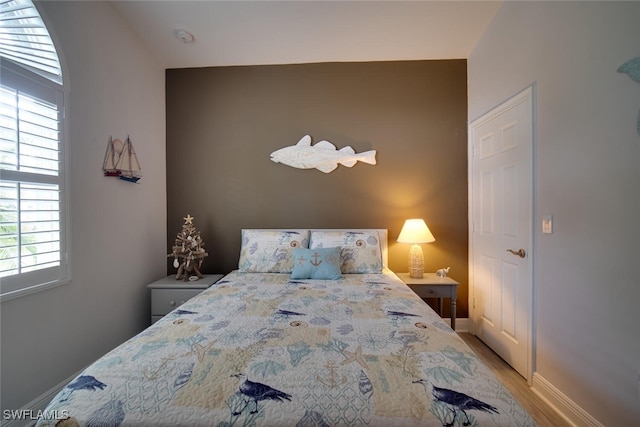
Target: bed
{"points": [[312, 329]]}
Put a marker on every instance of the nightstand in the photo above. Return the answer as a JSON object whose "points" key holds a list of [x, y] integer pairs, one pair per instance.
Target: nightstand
{"points": [[168, 293], [432, 286]]}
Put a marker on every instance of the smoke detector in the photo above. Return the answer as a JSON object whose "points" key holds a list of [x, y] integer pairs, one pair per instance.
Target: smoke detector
{"points": [[184, 36]]}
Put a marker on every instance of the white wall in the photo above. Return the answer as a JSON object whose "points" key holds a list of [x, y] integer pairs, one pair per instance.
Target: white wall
{"points": [[587, 167], [118, 229]]}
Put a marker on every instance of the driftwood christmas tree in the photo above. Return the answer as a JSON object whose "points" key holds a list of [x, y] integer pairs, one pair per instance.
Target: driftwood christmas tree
{"points": [[188, 252]]}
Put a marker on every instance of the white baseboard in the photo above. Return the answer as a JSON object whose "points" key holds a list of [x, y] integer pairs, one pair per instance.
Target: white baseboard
{"points": [[462, 324], [38, 404], [558, 401], [564, 406]]}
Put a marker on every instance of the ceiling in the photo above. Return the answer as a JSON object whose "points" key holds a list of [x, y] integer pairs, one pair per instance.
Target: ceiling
{"points": [[290, 32]]}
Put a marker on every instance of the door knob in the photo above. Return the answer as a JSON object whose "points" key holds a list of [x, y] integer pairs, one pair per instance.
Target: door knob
{"points": [[520, 252]]}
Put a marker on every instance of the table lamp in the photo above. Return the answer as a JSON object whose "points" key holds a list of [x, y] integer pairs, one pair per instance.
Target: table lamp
{"points": [[415, 232]]}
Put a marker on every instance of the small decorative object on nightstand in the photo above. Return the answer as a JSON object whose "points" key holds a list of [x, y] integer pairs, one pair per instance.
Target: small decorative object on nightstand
{"points": [[415, 231], [443, 272], [432, 286], [188, 252], [169, 293]]}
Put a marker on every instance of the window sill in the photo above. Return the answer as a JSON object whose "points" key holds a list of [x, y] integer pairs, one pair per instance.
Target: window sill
{"points": [[32, 290]]}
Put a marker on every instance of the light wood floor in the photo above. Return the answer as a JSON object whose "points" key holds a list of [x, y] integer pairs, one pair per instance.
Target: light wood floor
{"points": [[542, 414]]}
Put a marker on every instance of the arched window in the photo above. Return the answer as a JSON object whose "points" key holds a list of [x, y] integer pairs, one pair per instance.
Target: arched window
{"points": [[33, 231]]}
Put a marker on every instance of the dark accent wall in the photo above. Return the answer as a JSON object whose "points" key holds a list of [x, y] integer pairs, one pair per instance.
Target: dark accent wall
{"points": [[223, 122]]}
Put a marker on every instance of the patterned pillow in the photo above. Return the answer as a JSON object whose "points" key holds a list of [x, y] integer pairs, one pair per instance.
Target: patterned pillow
{"points": [[361, 252], [319, 263], [270, 251]]}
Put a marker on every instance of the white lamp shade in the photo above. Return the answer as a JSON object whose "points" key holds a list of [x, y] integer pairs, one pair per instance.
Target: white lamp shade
{"points": [[415, 231]]}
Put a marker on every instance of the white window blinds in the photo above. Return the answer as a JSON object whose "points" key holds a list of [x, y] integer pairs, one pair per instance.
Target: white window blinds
{"points": [[33, 233], [24, 38]]}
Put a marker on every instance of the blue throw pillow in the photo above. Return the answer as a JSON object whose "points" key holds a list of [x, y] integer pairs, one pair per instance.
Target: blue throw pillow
{"points": [[319, 263]]}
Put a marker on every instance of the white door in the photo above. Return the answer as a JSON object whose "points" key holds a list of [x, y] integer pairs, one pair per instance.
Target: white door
{"points": [[501, 210]]}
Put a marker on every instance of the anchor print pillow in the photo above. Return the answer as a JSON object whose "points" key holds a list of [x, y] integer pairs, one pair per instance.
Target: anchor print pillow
{"points": [[270, 251], [361, 252], [319, 263]]}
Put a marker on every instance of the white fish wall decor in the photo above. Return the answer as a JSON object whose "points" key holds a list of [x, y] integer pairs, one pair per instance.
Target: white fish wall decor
{"points": [[323, 156], [632, 69]]}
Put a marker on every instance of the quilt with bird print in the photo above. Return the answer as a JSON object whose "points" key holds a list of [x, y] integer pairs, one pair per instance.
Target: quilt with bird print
{"points": [[261, 349]]}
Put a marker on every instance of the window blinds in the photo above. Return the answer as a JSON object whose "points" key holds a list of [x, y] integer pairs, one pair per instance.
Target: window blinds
{"points": [[24, 38]]}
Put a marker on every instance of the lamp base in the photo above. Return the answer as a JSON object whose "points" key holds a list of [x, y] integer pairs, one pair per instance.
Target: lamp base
{"points": [[416, 262]]}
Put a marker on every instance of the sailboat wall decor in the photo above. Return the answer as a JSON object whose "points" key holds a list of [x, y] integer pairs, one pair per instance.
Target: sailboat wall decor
{"points": [[121, 161], [111, 157], [128, 164]]}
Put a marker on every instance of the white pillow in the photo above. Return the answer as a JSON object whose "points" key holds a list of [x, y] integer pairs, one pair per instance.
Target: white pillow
{"points": [[270, 251], [361, 251]]}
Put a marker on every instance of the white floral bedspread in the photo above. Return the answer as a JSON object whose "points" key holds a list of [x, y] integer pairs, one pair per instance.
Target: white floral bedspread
{"points": [[258, 349]]}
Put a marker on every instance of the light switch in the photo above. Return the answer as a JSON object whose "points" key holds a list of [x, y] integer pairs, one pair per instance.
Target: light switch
{"points": [[547, 224]]}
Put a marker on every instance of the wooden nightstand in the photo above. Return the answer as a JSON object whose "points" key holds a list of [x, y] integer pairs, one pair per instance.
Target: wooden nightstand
{"points": [[168, 293], [432, 286]]}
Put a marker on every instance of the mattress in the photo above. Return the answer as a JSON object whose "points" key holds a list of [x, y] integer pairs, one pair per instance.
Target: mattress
{"points": [[261, 349]]}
